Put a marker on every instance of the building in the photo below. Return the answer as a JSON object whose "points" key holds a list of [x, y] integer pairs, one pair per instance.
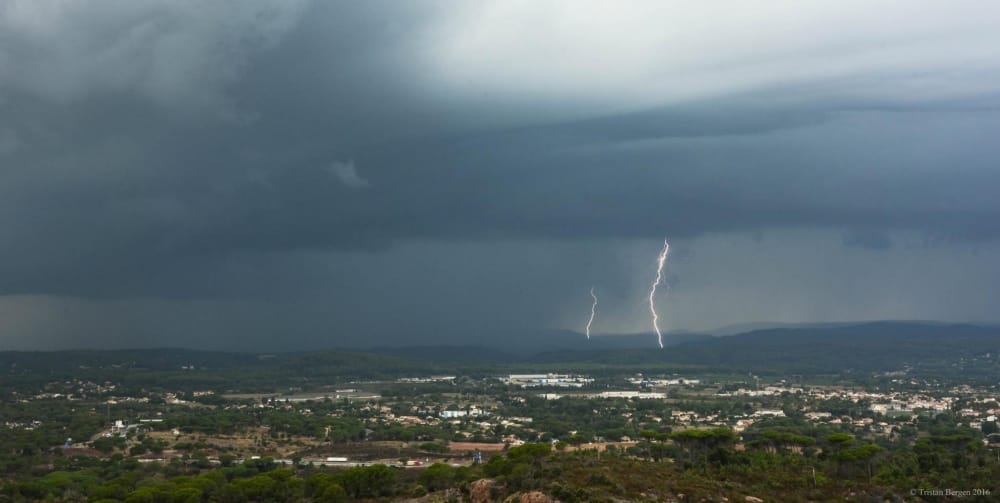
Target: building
{"points": [[556, 380]]}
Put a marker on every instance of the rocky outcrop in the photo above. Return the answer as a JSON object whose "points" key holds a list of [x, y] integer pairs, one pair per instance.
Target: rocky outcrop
{"points": [[481, 491], [531, 497]]}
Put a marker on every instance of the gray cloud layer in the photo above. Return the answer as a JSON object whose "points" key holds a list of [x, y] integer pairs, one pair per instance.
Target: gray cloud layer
{"points": [[170, 152]]}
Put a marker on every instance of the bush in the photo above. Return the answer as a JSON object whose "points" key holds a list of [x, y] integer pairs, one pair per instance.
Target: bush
{"points": [[437, 476], [367, 481]]}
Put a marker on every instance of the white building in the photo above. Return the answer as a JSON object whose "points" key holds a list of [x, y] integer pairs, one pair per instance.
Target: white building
{"points": [[629, 394], [557, 380], [452, 414]]}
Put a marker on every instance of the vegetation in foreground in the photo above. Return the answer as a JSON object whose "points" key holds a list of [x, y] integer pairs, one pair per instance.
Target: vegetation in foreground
{"points": [[689, 465], [897, 433]]}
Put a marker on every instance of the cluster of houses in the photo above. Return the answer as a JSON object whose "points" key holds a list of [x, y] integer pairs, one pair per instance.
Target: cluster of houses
{"points": [[876, 412], [551, 380], [26, 425]]}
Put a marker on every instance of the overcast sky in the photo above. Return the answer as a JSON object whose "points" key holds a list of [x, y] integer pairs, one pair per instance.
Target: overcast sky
{"points": [[295, 174]]}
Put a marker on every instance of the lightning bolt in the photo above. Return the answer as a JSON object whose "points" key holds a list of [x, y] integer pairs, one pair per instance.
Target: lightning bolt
{"points": [[660, 261], [593, 311]]}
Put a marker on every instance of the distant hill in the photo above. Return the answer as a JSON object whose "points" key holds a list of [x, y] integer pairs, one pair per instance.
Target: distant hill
{"points": [[805, 349], [941, 348], [449, 354], [515, 347], [554, 340], [862, 346], [741, 328], [150, 359]]}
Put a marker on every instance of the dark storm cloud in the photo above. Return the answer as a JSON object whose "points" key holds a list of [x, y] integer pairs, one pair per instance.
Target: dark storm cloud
{"points": [[172, 150], [189, 204]]}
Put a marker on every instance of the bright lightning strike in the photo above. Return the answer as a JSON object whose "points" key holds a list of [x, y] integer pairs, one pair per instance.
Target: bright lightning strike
{"points": [[593, 311], [660, 261]]}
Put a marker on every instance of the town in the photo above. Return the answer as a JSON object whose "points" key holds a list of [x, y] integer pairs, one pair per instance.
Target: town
{"points": [[465, 420]]}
